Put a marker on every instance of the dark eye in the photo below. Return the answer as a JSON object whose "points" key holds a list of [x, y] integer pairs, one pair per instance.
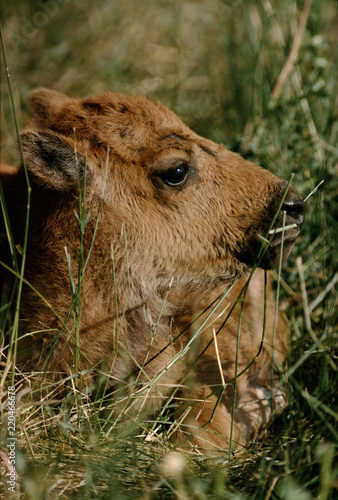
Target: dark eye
{"points": [[175, 176]]}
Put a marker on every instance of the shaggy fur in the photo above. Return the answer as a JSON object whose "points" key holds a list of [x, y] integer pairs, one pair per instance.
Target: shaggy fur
{"points": [[175, 219]]}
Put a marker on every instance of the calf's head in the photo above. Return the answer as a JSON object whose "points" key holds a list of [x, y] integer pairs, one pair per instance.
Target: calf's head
{"points": [[192, 210]]}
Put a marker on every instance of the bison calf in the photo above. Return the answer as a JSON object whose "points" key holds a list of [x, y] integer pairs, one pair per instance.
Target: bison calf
{"points": [[136, 226]]}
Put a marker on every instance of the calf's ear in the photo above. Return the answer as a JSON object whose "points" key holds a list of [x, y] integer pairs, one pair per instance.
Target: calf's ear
{"points": [[44, 104], [53, 161]]}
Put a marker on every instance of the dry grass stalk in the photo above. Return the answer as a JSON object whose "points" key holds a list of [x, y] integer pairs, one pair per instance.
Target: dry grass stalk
{"points": [[292, 57]]}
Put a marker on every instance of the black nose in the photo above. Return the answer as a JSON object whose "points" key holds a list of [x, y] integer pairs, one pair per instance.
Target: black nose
{"points": [[295, 210]]}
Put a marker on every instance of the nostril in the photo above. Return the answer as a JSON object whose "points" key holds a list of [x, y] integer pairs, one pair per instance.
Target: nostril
{"points": [[295, 209]]}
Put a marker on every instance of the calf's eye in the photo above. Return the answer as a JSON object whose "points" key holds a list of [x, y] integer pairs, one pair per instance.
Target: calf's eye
{"points": [[175, 176]]}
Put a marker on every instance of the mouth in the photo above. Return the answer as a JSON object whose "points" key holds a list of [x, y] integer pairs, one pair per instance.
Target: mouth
{"points": [[279, 241], [283, 235], [268, 247], [269, 251], [279, 245]]}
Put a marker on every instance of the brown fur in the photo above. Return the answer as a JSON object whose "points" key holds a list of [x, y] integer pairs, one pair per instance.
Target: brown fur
{"points": [[194, 240]]}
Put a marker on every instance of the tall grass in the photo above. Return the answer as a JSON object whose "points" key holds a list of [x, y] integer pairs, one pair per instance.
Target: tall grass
{"points": [[216, 64]]}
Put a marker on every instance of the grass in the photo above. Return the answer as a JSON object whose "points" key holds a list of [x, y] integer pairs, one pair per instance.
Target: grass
{"points": [[216, 65]]}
